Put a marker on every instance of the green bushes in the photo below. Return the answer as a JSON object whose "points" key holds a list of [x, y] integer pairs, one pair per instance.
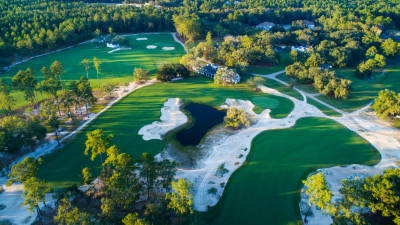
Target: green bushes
{"points": [[236, 118]]}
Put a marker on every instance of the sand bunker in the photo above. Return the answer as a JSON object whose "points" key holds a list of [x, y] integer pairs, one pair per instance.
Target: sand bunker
{"points": [[171, 118], [151, 47], [168, 48], [141, 39]]}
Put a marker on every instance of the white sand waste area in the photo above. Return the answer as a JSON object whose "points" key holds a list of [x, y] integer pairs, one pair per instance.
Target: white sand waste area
{"points": [[141, 39], [171, 118], [151, 46]]}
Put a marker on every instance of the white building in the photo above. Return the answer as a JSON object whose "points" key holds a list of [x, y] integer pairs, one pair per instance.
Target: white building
{"points": [[309, 24], [266, 25], [211, 70], [109, 45], [301, 48]]}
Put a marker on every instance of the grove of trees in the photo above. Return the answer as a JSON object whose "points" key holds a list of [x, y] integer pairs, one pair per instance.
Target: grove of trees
{"points": [[378, 195]]}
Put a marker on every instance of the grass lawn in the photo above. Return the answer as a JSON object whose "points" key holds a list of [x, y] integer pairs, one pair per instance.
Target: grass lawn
{"points": [[265, 70], [266, 189], [142, 107], [282, 88], [323, 108], [118, 65]]}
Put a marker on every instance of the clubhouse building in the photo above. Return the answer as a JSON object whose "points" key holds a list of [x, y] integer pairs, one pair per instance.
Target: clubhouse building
{"points": [[211, 70]]}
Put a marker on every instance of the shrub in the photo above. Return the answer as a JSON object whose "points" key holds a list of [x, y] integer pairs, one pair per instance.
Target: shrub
{"points": [[140, 75], [236, 163], [221, 170], [222, 184], [236, 118], [212, 191], [396, 122], [165, 73]]}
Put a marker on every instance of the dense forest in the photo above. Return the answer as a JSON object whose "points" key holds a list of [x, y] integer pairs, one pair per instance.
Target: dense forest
{"points": [[31, 27]]}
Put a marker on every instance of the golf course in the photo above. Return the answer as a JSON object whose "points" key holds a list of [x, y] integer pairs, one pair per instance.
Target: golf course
{"points": [[268, 187], [265, 188], [140, 108], [116, 66]]}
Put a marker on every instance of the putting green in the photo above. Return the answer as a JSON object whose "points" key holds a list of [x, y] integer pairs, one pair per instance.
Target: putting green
{"points": [[118, 65], [142, 107], [266, 189]]}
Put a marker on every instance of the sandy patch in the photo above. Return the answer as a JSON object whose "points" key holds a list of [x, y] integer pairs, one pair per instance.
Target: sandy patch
{"points": [[141, 39], [168, 48], [171, 118], [11, 198], [151, 46], [118, 49]]}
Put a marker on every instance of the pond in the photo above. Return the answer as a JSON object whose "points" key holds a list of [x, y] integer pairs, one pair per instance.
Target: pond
{"points": [[204, 117]]}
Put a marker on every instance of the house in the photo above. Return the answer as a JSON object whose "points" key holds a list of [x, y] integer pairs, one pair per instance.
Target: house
{"points": [[301, 48], [211, 70], [325, 66], [109, 45], [309, 24], [280, 48], [266, 25]]}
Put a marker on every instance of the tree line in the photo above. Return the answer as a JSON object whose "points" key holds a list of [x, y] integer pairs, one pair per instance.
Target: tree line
{"points": [[32, 27]]}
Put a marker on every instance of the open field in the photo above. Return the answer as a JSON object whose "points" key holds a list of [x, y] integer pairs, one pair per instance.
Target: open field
{"points": [[266, 189], [140, 108], [118, 65]]}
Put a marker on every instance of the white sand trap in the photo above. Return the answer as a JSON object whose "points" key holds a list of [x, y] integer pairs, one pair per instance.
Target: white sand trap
{"points": [[168, 48], [171, 117], [151, 47], [141, 39]]}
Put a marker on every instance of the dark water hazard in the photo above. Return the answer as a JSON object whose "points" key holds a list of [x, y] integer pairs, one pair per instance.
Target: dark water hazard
{"points": [[204, 118]]}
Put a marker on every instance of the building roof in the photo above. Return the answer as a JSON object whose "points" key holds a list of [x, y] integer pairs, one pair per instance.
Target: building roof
{"points": [[210, 69], [266, 24], [307, 22]]}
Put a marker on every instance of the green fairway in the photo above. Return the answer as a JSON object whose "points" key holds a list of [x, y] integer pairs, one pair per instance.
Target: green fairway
{"points": [[118, 65], [140, 108], [266, 189]]}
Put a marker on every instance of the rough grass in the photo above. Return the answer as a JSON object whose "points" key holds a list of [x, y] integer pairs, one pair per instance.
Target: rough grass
{"points": [[140, 108], [118, 65], [266, 189]]}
